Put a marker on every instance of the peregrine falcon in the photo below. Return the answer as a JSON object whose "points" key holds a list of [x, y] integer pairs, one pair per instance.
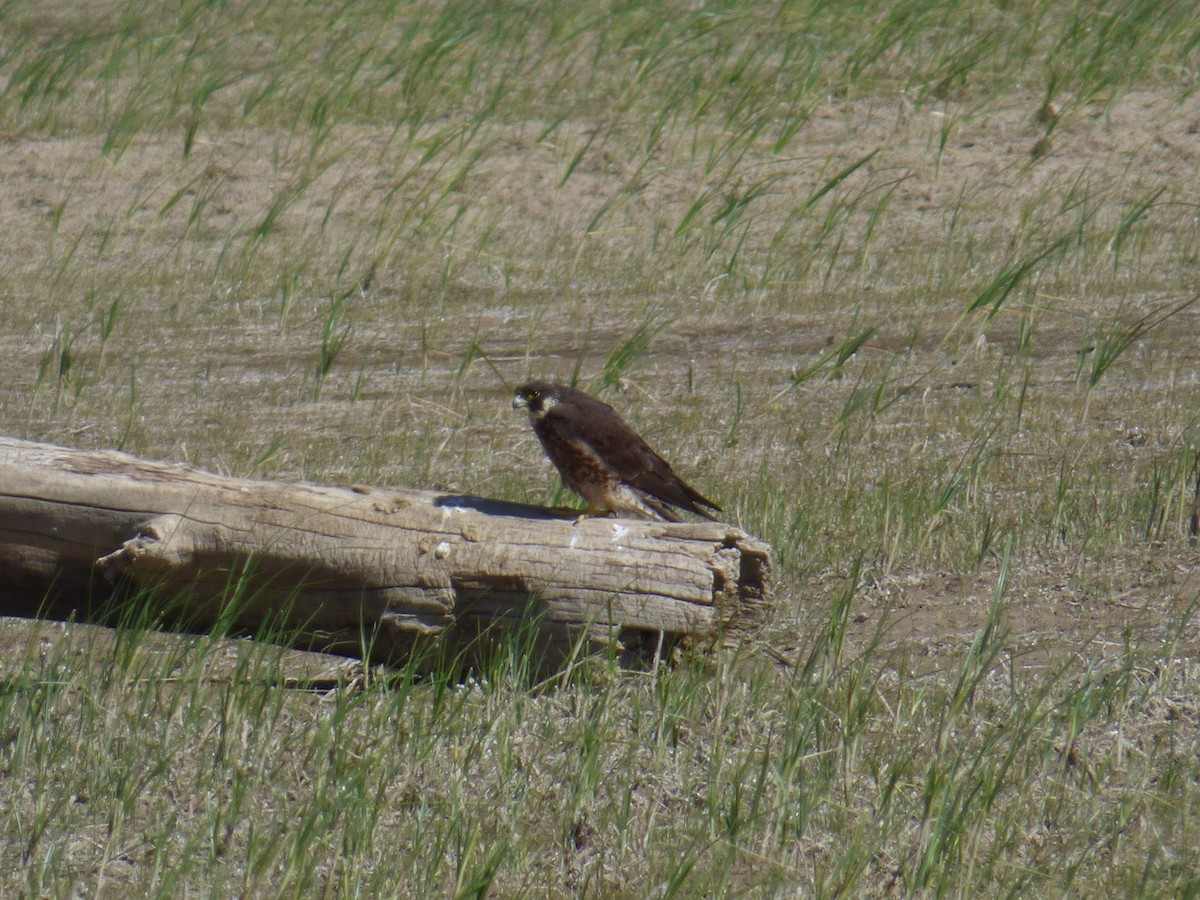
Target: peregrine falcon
{"points": [[603, 459]]}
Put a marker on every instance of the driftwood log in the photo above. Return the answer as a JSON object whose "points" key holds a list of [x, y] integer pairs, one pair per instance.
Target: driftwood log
{"points": [[359, 570]]}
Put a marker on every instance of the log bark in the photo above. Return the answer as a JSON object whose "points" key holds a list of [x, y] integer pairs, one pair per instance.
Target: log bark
{"points": [[360, 570]]}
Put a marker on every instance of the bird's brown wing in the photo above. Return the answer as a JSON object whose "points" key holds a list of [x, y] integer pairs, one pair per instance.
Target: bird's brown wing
{"points": [[582, 419], [582, 470]]}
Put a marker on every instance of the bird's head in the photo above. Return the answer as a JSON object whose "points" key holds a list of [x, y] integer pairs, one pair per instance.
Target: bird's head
{"points": [[536, 396]]}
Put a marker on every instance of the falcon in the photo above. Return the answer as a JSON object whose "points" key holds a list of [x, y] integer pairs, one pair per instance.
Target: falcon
{"points": [[603, 459]]}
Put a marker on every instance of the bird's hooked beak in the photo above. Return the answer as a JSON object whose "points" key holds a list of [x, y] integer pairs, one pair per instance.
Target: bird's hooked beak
{"points": [[520, 402]]}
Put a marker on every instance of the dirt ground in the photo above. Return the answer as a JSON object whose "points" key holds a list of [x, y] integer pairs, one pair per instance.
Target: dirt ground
{"points": [[1054, 607]]}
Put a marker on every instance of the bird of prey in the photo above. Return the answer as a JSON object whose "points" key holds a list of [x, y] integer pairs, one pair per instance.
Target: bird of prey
{"points": [[603, 459]]}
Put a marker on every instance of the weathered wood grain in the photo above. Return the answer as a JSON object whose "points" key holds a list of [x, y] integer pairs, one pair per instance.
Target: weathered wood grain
{"points": [[348, 567]]}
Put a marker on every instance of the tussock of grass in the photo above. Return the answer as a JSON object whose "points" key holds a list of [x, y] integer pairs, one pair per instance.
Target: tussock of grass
{"points": [[906, 287], [838, 772]]}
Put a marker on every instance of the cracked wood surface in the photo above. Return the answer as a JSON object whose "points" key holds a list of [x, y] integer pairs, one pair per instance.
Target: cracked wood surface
{"points": [[348, 567]]}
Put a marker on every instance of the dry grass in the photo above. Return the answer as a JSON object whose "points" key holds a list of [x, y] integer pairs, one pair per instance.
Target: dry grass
{"points": [[906, 287]]}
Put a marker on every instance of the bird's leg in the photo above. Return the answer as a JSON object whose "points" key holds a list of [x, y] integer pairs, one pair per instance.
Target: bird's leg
{"points": [[593, 509]]}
